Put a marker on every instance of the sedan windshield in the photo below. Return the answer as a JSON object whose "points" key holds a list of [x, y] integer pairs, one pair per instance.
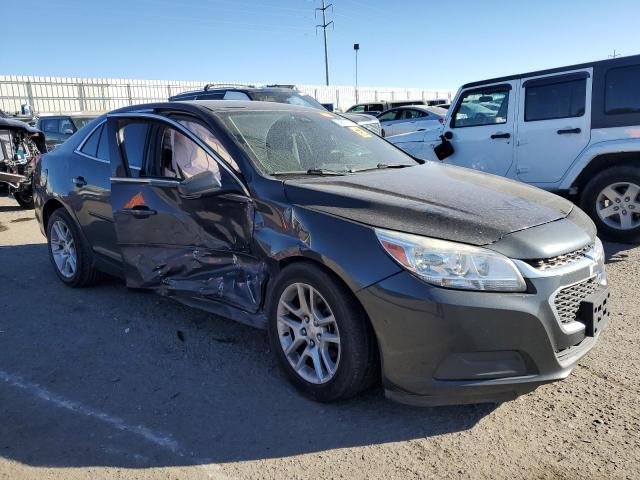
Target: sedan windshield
{"points": [[313, 143]]}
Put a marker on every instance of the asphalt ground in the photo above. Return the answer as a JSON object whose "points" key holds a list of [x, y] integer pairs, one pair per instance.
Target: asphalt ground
{"points": [[106, 382]]}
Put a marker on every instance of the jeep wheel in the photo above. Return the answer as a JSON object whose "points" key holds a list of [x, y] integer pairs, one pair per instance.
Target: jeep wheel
{"points": [[612, 200]]}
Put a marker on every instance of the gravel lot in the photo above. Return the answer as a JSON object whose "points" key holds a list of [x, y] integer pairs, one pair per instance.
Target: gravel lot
{"points": [[107, 382]]}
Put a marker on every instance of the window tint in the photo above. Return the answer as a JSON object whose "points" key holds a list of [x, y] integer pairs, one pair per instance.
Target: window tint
{"points": [[622, 94], [357, 109], [90, 147], [182, 158], [103, 145], [482, 108], [51, 125], [388, 116], [133, 140], [557, 100]]}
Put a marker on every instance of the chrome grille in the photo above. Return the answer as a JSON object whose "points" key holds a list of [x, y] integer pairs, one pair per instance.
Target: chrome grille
{"points": [[560, 260], [567, 300]]}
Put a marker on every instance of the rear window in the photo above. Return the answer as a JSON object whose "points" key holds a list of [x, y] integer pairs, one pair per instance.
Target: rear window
{"points": [[622, 90], [90, 146], [556, 100]]}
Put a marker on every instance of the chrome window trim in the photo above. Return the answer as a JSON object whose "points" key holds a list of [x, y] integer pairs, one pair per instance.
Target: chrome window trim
{"points": [[147, 181], [190, 135]]}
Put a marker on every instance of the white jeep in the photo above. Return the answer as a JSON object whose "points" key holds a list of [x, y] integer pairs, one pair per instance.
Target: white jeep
{"points": [[573, 130]]}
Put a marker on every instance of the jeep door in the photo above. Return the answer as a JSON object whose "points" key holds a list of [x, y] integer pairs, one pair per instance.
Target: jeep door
{"points": [[184, 221], [481, 128], [554, 124]]}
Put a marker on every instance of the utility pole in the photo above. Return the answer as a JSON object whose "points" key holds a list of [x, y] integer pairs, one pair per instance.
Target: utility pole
{"points": [[324, 31], [356, 47], [615, 54]]}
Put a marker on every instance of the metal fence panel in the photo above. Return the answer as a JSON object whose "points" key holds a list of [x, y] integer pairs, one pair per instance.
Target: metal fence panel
{"points": [[71, 94]]}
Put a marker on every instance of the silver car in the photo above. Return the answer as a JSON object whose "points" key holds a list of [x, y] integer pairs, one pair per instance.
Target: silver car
{"points": [[410, 119]]}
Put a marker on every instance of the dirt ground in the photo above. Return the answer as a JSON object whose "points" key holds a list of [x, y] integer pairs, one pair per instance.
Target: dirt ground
{"points": [[106, 382]]}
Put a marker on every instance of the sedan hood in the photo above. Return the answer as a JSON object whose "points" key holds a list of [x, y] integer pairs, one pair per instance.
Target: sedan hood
{"points": [[433, 200]]}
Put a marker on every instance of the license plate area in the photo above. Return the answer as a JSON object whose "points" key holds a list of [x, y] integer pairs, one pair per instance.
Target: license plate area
{"points": [[594, 311]]}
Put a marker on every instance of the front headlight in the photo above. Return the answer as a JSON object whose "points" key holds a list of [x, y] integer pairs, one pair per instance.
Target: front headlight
{"points": [[452, 265]]}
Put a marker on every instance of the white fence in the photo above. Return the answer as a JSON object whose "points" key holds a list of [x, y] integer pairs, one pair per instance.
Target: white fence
{"points": [[70, 94]]}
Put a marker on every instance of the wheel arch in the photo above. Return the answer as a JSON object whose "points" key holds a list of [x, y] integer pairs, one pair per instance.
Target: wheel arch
{"points": [[603, 161]]}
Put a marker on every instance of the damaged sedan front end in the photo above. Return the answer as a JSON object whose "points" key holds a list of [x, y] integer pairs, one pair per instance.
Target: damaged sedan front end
{"points": [[451, 285], [20, 146]]}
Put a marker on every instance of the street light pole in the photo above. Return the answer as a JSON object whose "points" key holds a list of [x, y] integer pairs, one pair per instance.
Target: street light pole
{"points": [[356, 47]]}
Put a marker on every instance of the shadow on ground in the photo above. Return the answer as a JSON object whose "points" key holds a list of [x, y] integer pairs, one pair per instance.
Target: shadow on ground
{"points": [[106, 376]]}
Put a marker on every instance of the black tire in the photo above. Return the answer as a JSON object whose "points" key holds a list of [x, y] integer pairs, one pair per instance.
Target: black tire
{"points": [[358, 367], [85, 272], [589, 201], [24, 198]]}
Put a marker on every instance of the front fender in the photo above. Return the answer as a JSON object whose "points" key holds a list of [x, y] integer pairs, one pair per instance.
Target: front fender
{"points": [[349, 249], [628, 145]]}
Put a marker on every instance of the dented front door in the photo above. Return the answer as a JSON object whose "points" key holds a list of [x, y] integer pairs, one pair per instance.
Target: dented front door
{"points": [[187, 247]]}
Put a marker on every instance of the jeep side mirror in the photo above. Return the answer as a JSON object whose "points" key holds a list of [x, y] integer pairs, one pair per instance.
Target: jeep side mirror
{"points": [[67, 131], [200, 185]]}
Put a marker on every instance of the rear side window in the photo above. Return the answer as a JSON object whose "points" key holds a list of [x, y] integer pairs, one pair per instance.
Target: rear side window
{"points": [[90, 146], [50, 125], [388, 116], [133, 140], [556, 100], [412, 114], [103, 146], [622, 91]]}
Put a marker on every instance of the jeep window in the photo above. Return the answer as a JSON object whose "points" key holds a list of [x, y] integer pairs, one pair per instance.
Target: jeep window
{"points": [[80, 122], [285, 142], [477, 108], [66, 126], [556, 100], [50, 125], [90, 146], [622, 94]]}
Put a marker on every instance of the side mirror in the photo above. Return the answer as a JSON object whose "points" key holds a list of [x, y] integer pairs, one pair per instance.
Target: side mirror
{"points": [[448, 135], [200, 185], [67, 131]]}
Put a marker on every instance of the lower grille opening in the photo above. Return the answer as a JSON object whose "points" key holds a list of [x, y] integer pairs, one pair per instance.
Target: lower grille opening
{"points": [[567, 300]]}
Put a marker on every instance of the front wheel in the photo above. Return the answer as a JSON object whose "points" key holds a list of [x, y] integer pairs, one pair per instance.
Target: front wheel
{"points": [[320, 334], [612, 200]]}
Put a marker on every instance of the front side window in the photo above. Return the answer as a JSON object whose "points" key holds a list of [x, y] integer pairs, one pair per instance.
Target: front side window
{"points": [[182, 158], [622, 94], [204, 134], [356, 109], [281, 142], [556, 100], [66, 126], [477, 108]]}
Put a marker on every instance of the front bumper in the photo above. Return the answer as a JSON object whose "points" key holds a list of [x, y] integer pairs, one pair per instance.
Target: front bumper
{"points": [[441, 346]]}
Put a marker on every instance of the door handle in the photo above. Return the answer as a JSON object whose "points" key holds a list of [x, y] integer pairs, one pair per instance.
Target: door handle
{"points": [[569, 130], [79, 181], [501, 135], [139, 211]]}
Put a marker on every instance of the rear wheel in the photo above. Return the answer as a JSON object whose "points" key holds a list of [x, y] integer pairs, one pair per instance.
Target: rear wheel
{"points": [[612, 200], [68, 252], [320, 334]]}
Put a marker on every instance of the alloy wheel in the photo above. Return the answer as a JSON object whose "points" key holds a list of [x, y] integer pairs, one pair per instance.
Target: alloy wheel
{"points": [[308, 333], [618, 205], [63, 249]]}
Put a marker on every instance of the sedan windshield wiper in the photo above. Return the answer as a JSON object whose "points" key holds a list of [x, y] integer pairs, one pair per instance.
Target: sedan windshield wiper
{"points": [[381, 166], [312, 171]]}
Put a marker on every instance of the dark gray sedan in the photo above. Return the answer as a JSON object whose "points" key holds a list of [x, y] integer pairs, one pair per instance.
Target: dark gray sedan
{"points": [[449, 285]]}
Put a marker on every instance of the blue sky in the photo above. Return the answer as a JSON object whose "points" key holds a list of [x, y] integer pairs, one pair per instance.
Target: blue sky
{"points": [[408, 43]]}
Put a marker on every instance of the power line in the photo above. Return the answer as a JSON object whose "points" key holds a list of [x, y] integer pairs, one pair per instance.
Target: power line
{"points": [[324, 26]]}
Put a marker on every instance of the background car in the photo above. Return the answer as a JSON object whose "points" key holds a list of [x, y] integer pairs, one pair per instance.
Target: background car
{"points": [[376, 108], [272, 93], [410, 119], [57, 128]]}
